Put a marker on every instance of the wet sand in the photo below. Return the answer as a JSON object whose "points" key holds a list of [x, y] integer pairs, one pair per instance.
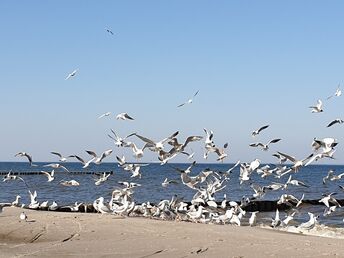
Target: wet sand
{"points": [[55, 234]]}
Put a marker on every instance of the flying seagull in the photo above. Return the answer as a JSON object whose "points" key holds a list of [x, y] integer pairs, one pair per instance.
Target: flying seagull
{"points": [[256, 132], [124, 116], [338, 92], [265, 147], [72, 74], [105, 114], [318, 108], [109, 31], [27, 155], [189, 101], [62, 159], [336, 121]]}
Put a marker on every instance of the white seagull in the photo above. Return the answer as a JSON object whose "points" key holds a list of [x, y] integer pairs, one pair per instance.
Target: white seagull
{"points": [[72, 74], [189, 101], [27, 155], [264, 147], [98, 160], [124, 116], [56, 166], [105, 114], [256, 132], [49, 175], [23, 217], [62, 159], [318, 108], [338, 92]]}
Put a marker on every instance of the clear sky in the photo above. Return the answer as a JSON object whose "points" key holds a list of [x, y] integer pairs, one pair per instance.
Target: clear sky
{"points": [[253, 62]]}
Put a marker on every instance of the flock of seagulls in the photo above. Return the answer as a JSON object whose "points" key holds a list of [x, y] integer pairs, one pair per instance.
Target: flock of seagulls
{"points": [[206, 185]]}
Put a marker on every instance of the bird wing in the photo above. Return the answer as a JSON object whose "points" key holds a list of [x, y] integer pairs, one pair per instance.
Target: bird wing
{"points": [[273, 141], [128, 117], [196, 93], [146, 140], [256, 144], [332, 123], [92, 153], [262, 128], [291, 158], [56, 153], [181, 104]]}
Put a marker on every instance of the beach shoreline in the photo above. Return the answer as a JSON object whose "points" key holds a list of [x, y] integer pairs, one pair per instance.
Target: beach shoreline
{"points": [[93, 235]]}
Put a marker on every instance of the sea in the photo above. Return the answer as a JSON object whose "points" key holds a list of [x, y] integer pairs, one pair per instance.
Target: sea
{"points": [[151, 189]]}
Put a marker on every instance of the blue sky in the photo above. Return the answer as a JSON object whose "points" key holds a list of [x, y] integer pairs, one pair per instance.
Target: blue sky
{"points": [[253, 62]]}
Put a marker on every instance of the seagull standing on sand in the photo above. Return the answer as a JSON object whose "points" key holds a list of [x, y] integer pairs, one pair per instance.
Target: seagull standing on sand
{"points": [[23, 217], [72, 74], [189, 101], [253, 219], [256, 132], [124, 116]]}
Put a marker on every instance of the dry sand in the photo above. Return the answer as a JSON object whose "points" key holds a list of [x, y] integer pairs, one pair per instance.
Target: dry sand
{"points": [[53, 234]]}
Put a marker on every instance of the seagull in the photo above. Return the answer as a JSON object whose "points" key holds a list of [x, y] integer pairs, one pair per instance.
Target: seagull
{"points": [[86, 164], [23, 216], [124, 116], [33, 202], [103, 177], [109, 31], [62, 159], [327, 199], [156, 146], [297, 163], [49, 175], [189, 101], [327, 144], [294, 182], [318, 108], [72, 74], [281, 158], [105, 114], [53, 206], [69, 183], [309, 224], [120, 142], [74, 207], [56, 166], [265, 147], [253, 218], [16, 201], [276, 222], [138, 153], [28, 156], [289, 218], [256, 132], [338, 92], [98, 160], [167, 182], [336, 121]]}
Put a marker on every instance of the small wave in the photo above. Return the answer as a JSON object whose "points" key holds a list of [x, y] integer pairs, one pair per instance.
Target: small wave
{"points": [[318, 230]]}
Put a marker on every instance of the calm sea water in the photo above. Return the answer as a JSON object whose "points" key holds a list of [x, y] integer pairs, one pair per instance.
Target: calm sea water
{"points": [[151, 190]]}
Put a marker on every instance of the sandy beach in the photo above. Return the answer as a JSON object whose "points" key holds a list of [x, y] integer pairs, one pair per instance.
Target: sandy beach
{"points": [[55, 234]]}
